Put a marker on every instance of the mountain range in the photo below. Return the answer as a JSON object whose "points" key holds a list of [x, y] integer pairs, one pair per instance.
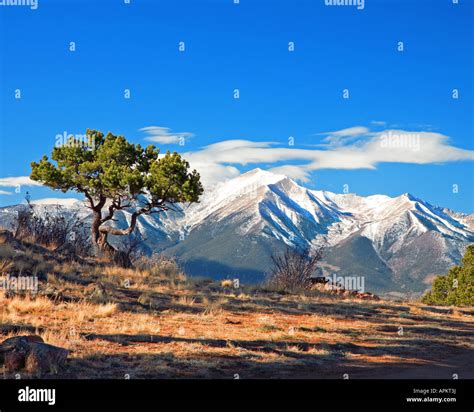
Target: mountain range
{"points": [[398, 244]]}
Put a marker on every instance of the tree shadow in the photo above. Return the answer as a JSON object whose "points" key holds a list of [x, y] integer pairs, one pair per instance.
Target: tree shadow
{"points": [[19, 329], [317, 360], [249, 361]]}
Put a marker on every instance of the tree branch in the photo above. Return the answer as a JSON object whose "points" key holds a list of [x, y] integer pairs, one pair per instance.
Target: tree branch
{"points": [[148, 209]]}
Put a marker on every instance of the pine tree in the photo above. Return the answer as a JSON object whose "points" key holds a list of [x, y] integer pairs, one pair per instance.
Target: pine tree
{"points": [[115, 174], [457, 287]]}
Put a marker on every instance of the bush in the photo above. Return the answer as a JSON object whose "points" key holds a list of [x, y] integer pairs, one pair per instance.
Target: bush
{"points": [[457, 287], [56, 229], [160, 265], [293, 268]]}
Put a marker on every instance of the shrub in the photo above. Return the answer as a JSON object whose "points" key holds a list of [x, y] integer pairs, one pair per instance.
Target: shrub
{"points": [[54, 228], [293, 268], [457, 287], [160, 266]]}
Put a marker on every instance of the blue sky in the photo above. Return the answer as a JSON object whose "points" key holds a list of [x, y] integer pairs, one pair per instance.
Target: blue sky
{"points": [[399, 131]]}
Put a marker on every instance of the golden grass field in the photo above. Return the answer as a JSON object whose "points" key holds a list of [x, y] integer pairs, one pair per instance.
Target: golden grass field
{"points": [[154, 322]]}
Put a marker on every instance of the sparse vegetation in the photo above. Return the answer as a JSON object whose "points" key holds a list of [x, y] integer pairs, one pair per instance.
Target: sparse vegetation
{"points": [[54, 229], [24, 305], [160, 265]]}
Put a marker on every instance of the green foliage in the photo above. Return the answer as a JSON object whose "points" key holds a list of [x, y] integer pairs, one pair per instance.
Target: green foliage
{"points": [[111, 167], [457, 287]]}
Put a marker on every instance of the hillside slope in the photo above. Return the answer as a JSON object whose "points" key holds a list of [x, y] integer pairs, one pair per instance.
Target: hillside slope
{"points": [[155, 322]]}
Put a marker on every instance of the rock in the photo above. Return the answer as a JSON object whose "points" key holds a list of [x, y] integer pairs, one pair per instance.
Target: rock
{"points": [[18, 342], [14, 351], [14, 361], [45, 358], [31, 353]]}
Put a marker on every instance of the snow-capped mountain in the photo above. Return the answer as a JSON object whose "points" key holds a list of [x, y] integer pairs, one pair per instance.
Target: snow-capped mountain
{"points": [[398, 244]]}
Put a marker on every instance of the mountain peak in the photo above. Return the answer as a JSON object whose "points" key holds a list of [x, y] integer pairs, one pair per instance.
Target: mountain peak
{"points": [[259, 172], [258, 177], [254, 171], [409, 196]]}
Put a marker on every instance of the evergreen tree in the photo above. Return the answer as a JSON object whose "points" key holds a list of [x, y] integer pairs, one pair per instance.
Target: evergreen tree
{"points": [[114, 174], [457, 287]]}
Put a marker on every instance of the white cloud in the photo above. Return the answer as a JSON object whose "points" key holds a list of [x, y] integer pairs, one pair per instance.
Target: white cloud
{"points": [[344, 136], [163, 135], [18, 181], [292, 171], [212, 173], [4, 192], [219, 161], [350, 131]]}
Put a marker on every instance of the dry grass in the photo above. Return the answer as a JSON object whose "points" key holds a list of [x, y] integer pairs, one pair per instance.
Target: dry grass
{"points": [[227, 283], [28, 305], [88, 310], [184, 300], [5, 266], [164, 325]]}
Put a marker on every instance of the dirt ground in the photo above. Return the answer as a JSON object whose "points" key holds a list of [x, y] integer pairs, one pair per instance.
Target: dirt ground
{"points": [[157, 323]]}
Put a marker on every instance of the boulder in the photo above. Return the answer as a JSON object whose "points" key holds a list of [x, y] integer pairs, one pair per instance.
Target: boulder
{"points": [[13, 351], [45, 358], [32, 354], [18, 342]]}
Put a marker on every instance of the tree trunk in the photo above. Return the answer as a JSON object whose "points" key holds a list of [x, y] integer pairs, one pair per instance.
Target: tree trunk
{"points": [[103, 247]]}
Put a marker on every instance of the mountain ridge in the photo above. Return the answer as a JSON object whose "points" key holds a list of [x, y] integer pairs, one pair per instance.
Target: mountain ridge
{"points": [[239, 223]]}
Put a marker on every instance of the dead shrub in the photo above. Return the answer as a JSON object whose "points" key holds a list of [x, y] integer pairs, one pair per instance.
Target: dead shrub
{"points": [[292, 270]]}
